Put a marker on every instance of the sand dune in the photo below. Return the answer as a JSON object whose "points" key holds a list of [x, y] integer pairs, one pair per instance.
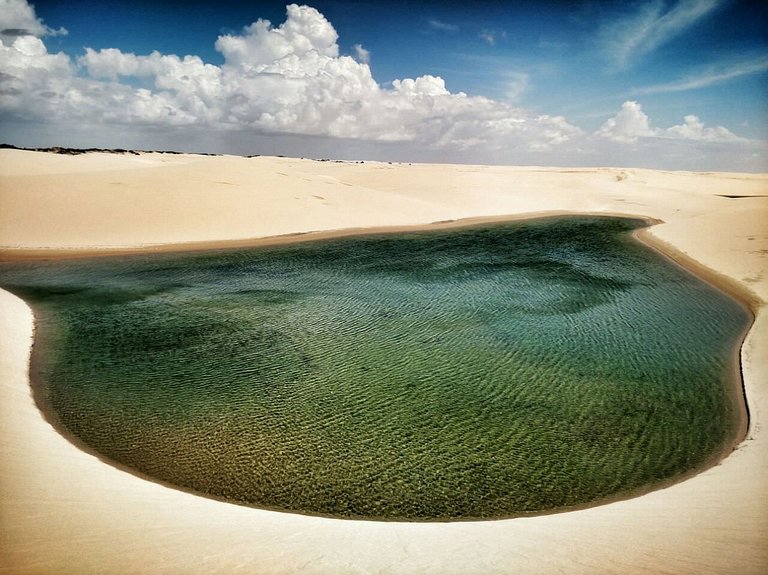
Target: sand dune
{"points": [[64, 511]]}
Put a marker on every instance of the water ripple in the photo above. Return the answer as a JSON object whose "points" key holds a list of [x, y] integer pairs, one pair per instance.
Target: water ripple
{"points": [[467, 374]]}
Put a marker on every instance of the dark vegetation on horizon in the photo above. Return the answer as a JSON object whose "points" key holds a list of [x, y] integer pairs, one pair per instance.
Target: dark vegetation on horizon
{"points": [[77, 151]]}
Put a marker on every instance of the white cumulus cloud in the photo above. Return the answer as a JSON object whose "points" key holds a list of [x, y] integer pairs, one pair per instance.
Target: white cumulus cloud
{"points": [[693, 129], [17, 18], [288, 87], [261, 45], [285, 79], [631, 124]]}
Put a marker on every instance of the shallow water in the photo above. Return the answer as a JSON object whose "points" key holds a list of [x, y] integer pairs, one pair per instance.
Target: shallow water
{"points": [[486, 372]]}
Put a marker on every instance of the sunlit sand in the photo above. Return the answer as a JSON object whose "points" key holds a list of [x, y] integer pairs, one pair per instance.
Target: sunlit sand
{"points": [[64, 511]]}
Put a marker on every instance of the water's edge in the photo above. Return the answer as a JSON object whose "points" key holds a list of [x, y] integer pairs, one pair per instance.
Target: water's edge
{"points": [[730, 287]]}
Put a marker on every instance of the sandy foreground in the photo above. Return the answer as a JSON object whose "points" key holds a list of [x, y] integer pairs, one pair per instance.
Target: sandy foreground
{"points": [[62, 511]]}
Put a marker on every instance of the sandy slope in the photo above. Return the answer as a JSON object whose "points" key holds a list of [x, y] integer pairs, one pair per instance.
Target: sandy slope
{"points": [[62, 511]]}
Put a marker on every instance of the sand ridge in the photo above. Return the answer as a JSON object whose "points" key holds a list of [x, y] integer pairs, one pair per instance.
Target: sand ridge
{"points": [[64, 511]]}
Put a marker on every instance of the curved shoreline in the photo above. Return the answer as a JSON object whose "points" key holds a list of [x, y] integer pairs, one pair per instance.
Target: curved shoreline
{"points": [[640, 235], [736, 292], [64, 511]]}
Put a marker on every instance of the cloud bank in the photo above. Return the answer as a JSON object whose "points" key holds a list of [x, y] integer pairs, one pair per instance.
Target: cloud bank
{"points": [[289, 86], [632, 124]]}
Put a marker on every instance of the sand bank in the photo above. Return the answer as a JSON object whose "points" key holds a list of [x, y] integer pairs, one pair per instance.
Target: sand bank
{"points": [[64, 511]]}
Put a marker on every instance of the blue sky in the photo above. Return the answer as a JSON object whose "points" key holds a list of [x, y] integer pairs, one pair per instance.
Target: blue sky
{"points": [[680, 84]]}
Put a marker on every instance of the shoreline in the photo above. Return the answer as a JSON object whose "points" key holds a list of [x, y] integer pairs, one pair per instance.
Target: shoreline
{"points": [[640, 235], [739, 293], [43, 253], [57, 501]]}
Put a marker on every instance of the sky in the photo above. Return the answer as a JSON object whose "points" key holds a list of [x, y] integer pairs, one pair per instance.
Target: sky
{"points": [[665, 84]]}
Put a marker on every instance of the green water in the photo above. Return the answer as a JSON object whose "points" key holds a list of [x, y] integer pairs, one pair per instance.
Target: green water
{"points": [[477, 373]]}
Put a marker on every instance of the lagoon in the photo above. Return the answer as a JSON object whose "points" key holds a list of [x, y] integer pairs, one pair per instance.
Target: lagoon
{"points": [[481, 373]]}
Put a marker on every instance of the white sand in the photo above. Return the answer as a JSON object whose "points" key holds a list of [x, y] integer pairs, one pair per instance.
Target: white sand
{"points": [[62, 511]]}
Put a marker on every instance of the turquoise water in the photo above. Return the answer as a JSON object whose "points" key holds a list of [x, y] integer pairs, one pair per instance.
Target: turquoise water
{"points": [[477, 373]]}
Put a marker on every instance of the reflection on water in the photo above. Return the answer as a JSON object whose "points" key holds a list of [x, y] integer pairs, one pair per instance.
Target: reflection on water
{"points": [[476, 373]]}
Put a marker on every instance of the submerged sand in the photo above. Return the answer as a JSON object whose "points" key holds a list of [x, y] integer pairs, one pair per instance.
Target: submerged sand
{"points": [[64, 511]]}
